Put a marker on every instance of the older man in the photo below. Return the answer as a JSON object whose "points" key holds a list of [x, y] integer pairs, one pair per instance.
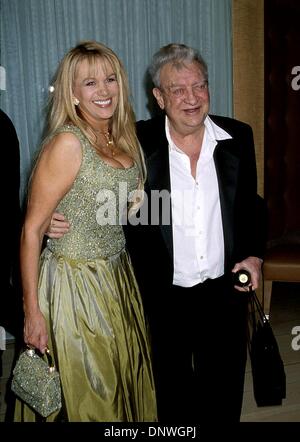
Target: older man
{"points": [[184, 268]]}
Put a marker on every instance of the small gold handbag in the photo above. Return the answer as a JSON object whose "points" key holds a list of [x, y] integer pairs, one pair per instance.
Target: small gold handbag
{"points": [[37, 382]]}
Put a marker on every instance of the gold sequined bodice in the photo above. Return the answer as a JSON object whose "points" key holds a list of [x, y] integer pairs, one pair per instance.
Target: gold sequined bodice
{"points": [[94, 206]]}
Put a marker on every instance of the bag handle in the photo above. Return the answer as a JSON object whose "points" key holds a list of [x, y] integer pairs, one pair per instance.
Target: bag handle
{"points": [[256, 317], [242, 278], [254, 299], [31, 352]]}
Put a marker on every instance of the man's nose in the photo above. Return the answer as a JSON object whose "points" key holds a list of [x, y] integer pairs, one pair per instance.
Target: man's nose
{"points": [[190, 95]]}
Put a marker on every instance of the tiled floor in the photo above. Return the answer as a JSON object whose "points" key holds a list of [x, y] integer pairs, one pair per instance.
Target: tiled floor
{"points": [[285, 314]]}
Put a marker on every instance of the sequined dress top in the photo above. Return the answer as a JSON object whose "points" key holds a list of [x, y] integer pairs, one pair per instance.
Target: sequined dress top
{"points": [[98, 195]]}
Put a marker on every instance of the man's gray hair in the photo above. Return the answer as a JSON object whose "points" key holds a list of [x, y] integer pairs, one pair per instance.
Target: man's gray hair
{"points": [[178, 55]]}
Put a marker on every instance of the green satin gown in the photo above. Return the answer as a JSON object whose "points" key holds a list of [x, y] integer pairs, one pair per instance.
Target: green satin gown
{"points": [[90, 300]]}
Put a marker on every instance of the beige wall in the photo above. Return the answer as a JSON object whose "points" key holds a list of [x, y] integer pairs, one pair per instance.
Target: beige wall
{"points": [[248, 72]]}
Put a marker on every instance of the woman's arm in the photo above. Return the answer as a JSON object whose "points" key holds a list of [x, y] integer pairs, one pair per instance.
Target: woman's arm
{"points": [[54, 175]]}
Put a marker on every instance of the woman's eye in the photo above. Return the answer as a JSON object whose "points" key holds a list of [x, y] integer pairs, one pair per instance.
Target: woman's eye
{"points": [[111, 79], [90, 83]]}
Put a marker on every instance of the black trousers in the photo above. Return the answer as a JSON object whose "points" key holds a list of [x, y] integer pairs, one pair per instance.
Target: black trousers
{"points": [[199, 351]]}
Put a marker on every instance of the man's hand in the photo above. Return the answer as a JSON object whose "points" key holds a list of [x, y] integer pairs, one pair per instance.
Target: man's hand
{"points": [[253, 265], [58, 226]]}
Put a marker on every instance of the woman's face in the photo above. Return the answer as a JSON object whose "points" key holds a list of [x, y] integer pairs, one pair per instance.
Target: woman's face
{"points": [[97, 90]]}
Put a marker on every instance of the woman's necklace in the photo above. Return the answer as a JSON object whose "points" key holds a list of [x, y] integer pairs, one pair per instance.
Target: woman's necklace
{"points": [[109, 141]]}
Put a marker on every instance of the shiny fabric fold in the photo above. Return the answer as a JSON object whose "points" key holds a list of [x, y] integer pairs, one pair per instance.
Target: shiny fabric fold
{"points": [[97, 333]]}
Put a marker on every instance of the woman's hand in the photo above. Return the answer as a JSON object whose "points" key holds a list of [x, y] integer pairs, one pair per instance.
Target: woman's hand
{"points": [[58, 226], [35, 331]]}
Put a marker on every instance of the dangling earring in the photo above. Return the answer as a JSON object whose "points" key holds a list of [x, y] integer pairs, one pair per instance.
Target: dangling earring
{"points": [[76, 101]]}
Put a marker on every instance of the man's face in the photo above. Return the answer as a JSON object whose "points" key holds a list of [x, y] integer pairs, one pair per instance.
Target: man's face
{"points": [[184, 96]]}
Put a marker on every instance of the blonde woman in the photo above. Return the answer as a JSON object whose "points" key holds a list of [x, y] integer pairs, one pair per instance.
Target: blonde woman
{"points": [[80, 295]]}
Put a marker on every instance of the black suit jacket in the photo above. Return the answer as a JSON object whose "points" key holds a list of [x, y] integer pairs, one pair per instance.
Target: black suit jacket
{"points": [[151, 246]]}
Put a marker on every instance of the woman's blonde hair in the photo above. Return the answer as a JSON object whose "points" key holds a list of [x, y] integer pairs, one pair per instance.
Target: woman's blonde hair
{"points": [[62, 109]]}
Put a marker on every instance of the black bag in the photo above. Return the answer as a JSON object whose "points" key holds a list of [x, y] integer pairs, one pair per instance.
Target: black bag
{"points": [[269, 380]]}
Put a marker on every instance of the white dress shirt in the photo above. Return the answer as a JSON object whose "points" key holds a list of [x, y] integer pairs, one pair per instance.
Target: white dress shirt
{"points": [[196, 212]]}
